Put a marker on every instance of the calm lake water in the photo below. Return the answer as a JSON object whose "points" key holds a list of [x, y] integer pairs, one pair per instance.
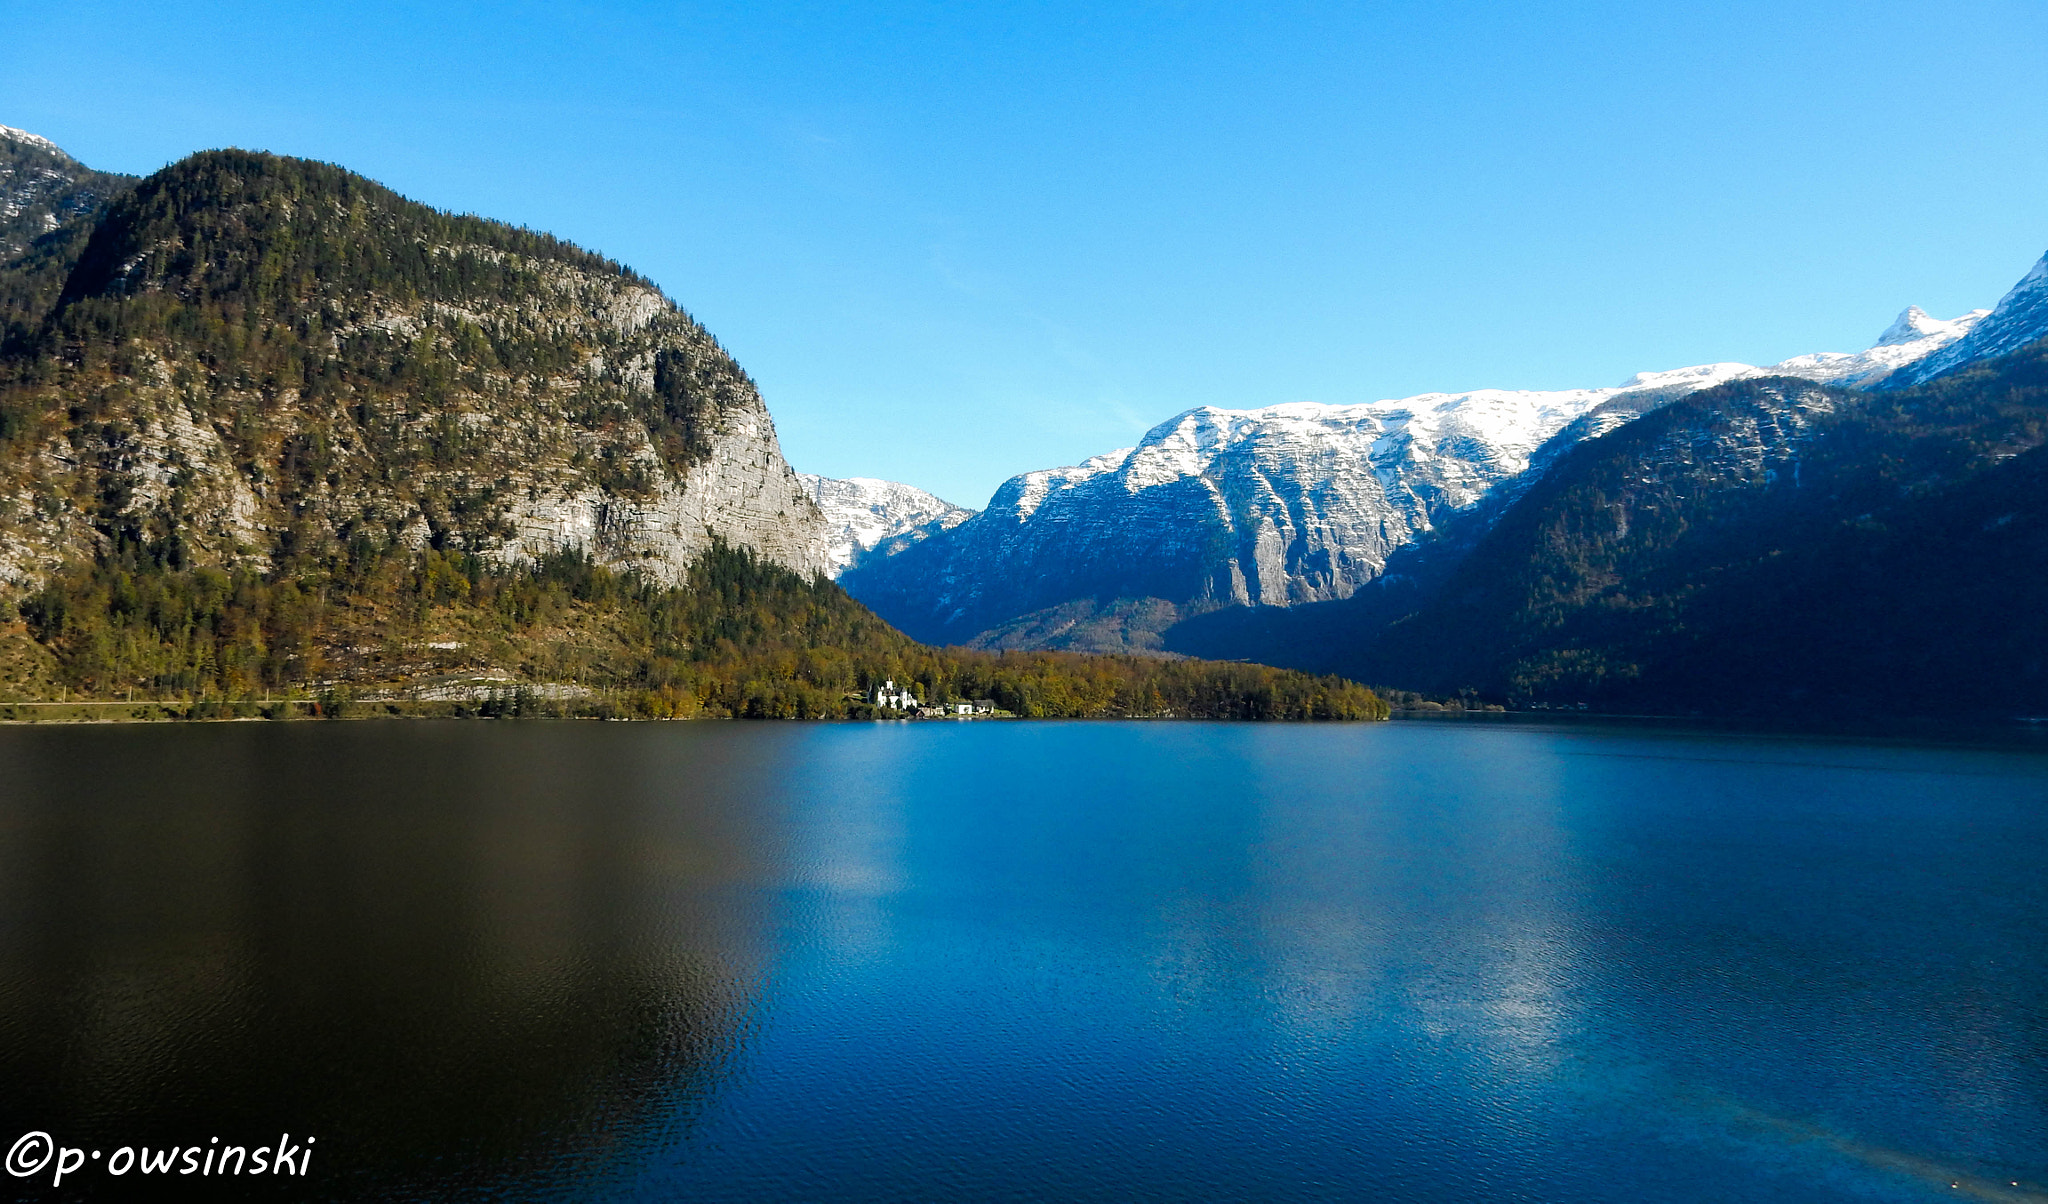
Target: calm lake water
{"points": [[1035, 962]]}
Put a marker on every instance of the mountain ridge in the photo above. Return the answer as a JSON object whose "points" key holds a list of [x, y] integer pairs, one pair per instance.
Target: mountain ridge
{"points": [[1277, 506], [865, 514], [42, 187], [1767, 546], [2020, 318]]}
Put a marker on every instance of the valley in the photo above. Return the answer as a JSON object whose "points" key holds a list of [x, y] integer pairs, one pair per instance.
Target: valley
{"points": [[268, 427]]}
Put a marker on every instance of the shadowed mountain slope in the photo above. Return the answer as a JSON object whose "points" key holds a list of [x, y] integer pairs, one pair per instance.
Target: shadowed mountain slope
{"points": [[1763, 546], [48, 202]]}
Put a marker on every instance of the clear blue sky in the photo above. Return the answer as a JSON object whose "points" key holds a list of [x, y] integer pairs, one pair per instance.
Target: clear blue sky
{"points": [[954, 242]]}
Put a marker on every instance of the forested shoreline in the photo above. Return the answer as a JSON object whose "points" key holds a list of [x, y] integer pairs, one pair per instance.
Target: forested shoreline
{"points": [[373, 629]]}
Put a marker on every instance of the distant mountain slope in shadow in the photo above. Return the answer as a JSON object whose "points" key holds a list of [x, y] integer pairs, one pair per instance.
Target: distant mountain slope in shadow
{"points": [[1762, 546]]}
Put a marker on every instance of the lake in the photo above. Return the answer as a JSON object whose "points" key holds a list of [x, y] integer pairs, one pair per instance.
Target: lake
{"points": [[1025, 961]]}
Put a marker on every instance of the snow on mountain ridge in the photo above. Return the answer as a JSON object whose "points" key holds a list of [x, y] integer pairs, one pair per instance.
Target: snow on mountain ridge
{"points": [[1912, 338], [862, 513], [2019, 318], [1510, 423], [35, 140], [1914, 325], [1021, 494], [41, 188], [1284, 504]]}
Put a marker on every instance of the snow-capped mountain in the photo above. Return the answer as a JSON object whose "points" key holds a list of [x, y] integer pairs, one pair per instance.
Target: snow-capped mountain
{"points": [[862, 513], [2021, 317], [1270, 507], [1913, 338]]}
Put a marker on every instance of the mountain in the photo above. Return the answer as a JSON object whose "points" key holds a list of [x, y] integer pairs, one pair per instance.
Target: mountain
{"points": [[255, 358], [2020, 318], [1279, 506], [272, 437], [863, 514], [1763, 546], [41, 188], [1912, 339], [48, 201]]}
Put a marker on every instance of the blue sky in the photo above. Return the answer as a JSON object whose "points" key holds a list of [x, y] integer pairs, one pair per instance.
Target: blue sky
{"points": [[954, 242]]}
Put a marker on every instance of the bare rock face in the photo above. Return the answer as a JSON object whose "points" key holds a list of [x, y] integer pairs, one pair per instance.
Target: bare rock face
{"points": [[254, 360], [741, 492], [1271, 507]]}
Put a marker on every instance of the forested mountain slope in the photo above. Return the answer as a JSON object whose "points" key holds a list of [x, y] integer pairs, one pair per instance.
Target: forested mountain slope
{"points": [[1763, 546], [48, 201], [41, 188], [268, 429]]}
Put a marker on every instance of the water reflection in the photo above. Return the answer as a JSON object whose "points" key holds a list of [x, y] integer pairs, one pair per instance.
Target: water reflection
{"points": [[1117, 961], [1034, 962], [460, 957]]}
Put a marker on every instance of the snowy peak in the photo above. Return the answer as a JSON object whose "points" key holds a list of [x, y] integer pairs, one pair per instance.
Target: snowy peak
{"points": [[1452, 446], [1909, 340], [1303, 501], [862, 513], [1914, 325], [1021, 495], [10, 134], [1288, 504], [2020, 318]]}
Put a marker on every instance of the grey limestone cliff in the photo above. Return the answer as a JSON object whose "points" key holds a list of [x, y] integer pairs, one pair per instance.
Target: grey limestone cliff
{"points": [[255, 358]]}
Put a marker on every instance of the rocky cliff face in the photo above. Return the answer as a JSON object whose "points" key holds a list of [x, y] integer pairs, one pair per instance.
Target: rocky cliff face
{"points": [[253, 359], [868, 517], [1271, 507]]}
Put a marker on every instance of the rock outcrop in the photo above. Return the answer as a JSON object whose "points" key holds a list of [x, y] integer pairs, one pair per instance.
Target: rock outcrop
{"points": [[253, 359]]}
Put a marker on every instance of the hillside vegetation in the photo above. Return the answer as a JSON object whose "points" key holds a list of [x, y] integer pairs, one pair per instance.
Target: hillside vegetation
{"points": [[742, 637], [269, 432]]}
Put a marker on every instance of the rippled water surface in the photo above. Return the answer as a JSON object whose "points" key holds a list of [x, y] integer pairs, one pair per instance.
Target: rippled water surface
{"points": [[1045, 962]]}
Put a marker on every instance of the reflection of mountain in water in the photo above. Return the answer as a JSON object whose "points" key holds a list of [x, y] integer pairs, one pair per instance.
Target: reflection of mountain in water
{"points": [[454, 955]]}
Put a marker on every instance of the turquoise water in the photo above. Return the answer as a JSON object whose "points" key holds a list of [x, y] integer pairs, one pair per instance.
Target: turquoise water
{"points": [[1035, 962]]}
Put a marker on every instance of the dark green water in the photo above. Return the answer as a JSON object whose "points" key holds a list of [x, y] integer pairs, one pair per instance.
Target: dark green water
{"points": [[1026, 962]]}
